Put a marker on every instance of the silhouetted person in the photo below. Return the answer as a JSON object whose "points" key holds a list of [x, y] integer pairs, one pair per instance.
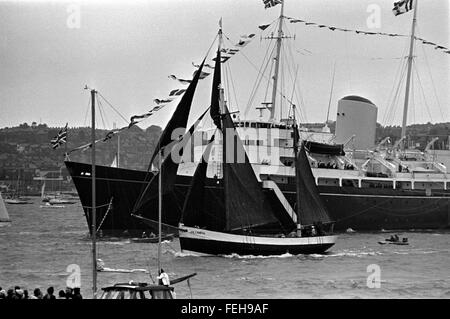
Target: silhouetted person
{"points": [[61, 294], [77, 293], [69, 294], [49, 294], [37, 294], [10, 294], [25, 294]]}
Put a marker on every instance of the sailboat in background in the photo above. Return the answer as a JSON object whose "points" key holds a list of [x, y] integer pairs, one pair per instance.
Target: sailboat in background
{"points": [[16, 198], [4, 216]]}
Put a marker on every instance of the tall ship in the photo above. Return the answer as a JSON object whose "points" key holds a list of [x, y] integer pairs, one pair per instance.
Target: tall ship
{"points": [[389, 187]]}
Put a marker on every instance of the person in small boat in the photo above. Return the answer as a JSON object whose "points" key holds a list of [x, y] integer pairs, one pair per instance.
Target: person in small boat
{"points": [[163, 278], [405, 240], [100, 265], [394, 238], [313, 231]]}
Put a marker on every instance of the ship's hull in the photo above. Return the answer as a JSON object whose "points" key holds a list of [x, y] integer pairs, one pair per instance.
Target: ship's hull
{"points": [[362, 209], [206, 242]]}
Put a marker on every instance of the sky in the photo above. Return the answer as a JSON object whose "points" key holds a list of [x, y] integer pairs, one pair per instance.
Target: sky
{"points": [[127, 49]]}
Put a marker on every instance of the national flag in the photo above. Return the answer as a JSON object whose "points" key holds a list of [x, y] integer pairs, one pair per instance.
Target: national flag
{"points": [[402, 7], [271, 3], [60, 139]]}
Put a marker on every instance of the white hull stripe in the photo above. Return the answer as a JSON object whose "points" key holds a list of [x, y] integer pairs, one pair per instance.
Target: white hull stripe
{"points": [[196, 233], [386, 196]]}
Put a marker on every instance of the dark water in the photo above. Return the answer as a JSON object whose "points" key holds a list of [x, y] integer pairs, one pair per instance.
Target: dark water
{"points": [[40, 244]]}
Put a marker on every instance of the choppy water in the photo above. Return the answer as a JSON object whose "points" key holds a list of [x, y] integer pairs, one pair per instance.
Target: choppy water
{"points": [[36, 249]]}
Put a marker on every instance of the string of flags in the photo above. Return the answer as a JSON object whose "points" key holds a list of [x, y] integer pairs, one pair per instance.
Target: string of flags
{"points": [[400, 7], [227, 53], [333, 28]]}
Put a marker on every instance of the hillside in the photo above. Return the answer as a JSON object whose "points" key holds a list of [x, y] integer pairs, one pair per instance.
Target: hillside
{"points": [[26, 150]]}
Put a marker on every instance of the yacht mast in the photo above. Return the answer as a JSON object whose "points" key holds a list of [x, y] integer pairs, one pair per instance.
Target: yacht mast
{"points": [[93, 212], [160, 159], [277, 62], [408, 77]]}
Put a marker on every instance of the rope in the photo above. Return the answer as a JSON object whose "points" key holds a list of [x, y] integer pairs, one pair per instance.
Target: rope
{"points": [[106, 214], [126, 121]]}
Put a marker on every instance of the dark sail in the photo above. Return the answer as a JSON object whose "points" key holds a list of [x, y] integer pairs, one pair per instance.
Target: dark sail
{"points": [[179, 118], [169, 173], [196, 211], [311, 208], [246, 205], [149, 195], [215, 92]]}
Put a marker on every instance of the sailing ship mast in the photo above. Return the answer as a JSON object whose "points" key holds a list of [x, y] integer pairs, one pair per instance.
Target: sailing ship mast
{"points": [[408, 77], [298, 196], [277, 62]]}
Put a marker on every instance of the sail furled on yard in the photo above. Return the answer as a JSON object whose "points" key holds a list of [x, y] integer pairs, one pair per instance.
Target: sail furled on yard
{"points": [[245, 203], [215, 92], [311, 208]]}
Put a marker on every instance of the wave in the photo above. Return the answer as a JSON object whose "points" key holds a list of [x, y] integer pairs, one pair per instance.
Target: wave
{"points": [[38, 233], [119, 270], [354, 254], [183, 254], [286, 255], [119, 243]]}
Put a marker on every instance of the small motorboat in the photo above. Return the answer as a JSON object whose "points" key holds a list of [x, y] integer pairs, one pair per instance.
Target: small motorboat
{"points": [[137, 290], [395, 240], [16, 201]]}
